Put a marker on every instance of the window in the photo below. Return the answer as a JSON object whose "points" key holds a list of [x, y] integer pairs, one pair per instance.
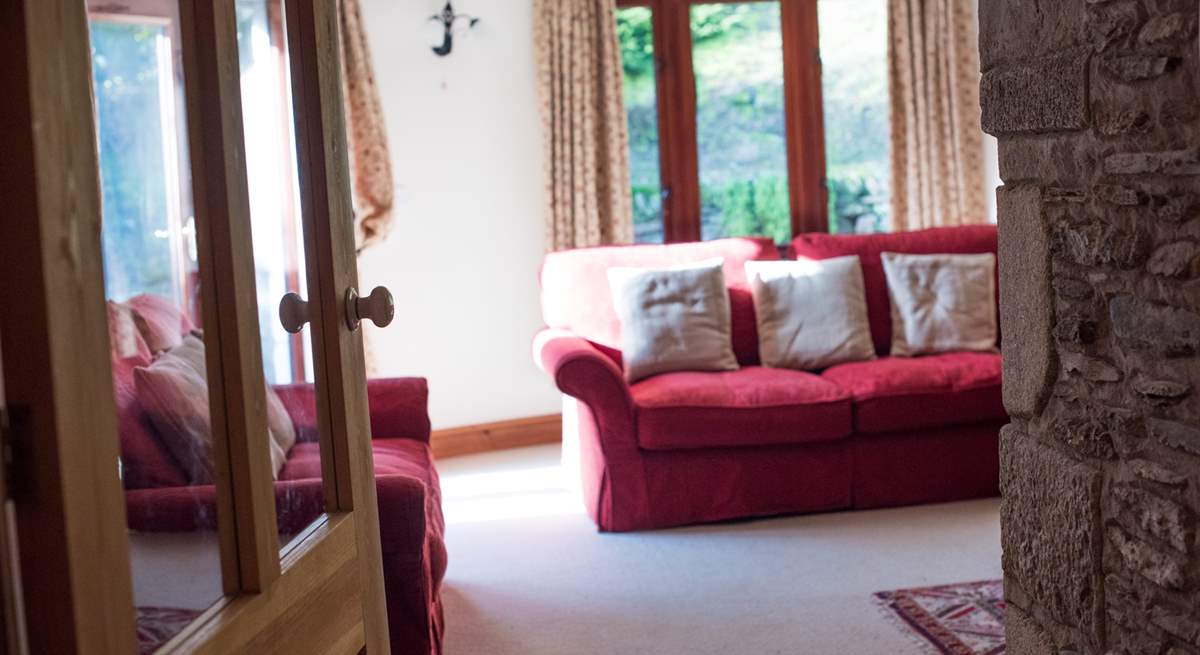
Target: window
{"points": [[734, 130], [854, 85], [148, 234]]}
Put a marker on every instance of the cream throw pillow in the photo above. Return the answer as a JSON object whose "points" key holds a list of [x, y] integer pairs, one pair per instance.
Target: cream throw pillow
{"points": [[174, 392], [811, 314], [674, 319], [941, 303]]}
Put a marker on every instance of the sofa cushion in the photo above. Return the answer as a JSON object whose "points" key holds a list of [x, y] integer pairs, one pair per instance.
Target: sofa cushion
{"points": [[811, 314], [161, 323], [752, 406], [124, 338], [955, 240], [902, 393], [941, 303], [144, 462], [576, 297], [673, 319]]}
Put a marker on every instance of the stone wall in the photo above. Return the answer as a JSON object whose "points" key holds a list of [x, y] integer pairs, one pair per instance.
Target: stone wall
{"points": [[1097, 107]]}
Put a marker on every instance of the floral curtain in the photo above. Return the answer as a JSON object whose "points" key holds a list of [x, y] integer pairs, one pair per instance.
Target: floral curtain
{"points": [[370, 163], [585, 139], [937, 142]]}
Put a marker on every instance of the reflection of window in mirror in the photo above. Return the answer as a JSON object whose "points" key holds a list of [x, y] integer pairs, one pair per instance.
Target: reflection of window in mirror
{"points": [[149, 232]]}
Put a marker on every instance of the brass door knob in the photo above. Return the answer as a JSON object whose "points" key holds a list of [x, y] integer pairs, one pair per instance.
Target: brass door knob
{"points": [[293, 312], [378, 307]]}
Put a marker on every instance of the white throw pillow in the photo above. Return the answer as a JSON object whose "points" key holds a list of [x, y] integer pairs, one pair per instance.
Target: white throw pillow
{"points": [[674, 319], [811, 314], [941, 303]]}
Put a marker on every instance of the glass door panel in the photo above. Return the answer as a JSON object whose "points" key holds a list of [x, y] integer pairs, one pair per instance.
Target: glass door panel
{"points": [[279, 259], [737, 58], [159, 364], [635, 31], [854, 86]]}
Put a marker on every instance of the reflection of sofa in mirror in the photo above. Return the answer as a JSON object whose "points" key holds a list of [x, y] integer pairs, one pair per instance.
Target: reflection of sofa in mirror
{"points": [[172, 520]]}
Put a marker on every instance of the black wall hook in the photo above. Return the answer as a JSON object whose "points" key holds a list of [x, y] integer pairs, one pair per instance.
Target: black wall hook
{"points": [[448, 19]]}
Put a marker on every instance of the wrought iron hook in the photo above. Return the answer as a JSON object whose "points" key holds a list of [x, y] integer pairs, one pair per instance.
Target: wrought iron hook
{"points": [[448, 18]]}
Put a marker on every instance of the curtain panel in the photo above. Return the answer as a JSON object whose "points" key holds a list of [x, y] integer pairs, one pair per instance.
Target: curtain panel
{"points": [[937, 141], [585, 138], [370, 161]]}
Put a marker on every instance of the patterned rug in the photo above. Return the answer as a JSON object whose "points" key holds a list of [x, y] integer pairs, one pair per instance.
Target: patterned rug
{"points": [[954, 619]]}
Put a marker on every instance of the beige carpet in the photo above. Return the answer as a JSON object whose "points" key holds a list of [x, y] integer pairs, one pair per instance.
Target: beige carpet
{"points": [[530, 575]]}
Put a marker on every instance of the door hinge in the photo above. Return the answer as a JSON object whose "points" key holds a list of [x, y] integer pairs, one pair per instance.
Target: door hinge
{"points": [[14, 449]]}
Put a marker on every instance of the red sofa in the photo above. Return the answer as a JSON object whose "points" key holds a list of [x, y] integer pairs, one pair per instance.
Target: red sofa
{"points": [[693, 447], [159, 498]]}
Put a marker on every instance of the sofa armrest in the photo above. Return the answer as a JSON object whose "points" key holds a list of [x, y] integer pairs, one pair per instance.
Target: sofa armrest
{"points": [[580, 370], [398, 408]]}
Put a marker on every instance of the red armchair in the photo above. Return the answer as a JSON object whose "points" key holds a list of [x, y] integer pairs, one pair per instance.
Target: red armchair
{"points": [[159, 498], [692, 447]]}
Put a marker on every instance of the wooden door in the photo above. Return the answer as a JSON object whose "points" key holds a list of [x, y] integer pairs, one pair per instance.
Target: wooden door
{"points": [[214, 556]]}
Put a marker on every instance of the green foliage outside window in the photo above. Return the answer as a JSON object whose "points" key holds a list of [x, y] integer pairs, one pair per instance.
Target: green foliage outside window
{"points": [[740, 117]]}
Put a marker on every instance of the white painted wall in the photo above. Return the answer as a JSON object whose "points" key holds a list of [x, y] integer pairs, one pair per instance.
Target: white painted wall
{"points": [[991, 173], [463, 257]]}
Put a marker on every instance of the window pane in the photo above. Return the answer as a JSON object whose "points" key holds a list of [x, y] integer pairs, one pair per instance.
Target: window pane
{"points": [[148, 244], [738, 61], [279, 264], [273, 184], [636, 34], [855, 89], [158, 359]]}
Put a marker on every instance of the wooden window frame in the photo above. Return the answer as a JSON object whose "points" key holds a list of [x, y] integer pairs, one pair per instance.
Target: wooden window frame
{"points": [[675, 87]]}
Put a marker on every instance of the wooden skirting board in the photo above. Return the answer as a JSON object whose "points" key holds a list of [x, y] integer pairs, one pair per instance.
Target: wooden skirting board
{"points": [[500, 435]]}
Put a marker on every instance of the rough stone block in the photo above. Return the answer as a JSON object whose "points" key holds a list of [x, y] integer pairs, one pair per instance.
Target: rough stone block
{"points": [[1179, 259], [1164, 519], [1091, 432], [1072, 289], [1023, 636], [1161, 392], [1119, 195], [1174, 162], [1026, 301], [1011, 31], [1172, 330], [1059, 158], [1046, 95], [1112, 23], [1176, 623], [1124, 121], [1050, 528], [1136, 68], [1167, 28], [1174, 208], [1100, 244], [1164, 569], [1155, 472], [1075, 331], [1092, 369], [1173, 434]]}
